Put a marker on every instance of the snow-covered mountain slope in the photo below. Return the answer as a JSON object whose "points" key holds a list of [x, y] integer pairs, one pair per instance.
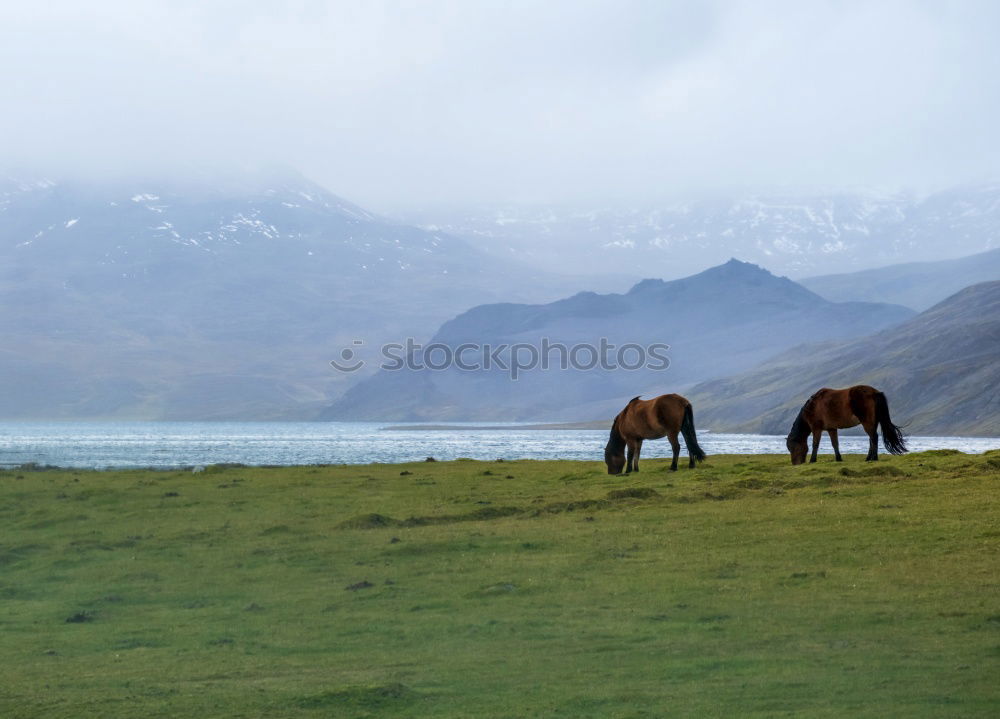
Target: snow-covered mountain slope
{"points": [[795, 236], [129, 225], [214, 298]]}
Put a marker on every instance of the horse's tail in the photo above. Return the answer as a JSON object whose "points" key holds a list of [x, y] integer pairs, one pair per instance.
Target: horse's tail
{"points": [[690, 439], [892, 436]]}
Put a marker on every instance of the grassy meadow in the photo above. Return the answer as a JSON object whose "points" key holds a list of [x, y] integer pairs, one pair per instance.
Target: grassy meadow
{"points": [[747, 588]]}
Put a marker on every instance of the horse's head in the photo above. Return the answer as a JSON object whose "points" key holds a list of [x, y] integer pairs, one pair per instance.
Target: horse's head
{"points": [[797, 448], [797, 436], [614, 451], [614, 459]]}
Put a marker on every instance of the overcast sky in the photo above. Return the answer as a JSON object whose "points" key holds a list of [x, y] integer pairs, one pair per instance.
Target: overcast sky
{"points": [[393, 104]]}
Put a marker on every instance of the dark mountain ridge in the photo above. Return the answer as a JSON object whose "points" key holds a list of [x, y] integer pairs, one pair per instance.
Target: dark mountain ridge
{"points": [[727, 317]]}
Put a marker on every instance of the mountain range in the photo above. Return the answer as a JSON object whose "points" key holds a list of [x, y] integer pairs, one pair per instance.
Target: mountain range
{"points": [[918, 285], [940, 371], [797, 235], [718, 322], [215, 298], [225, 296]]}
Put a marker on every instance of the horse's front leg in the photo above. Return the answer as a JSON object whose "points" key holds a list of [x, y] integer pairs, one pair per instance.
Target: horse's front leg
{"points": [[630, 455], [638, 451], [817, 433], [835, 441]]}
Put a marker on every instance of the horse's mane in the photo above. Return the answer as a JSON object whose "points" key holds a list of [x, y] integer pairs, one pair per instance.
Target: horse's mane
{"points": [[616, 442], [800, 428]]}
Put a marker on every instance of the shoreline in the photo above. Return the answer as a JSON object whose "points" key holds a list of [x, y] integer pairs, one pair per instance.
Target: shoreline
{"points": [[593, 424], [34, 468]]}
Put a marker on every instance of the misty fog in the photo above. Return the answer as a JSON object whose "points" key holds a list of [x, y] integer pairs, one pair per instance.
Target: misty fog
{"points": [[399, 105]]}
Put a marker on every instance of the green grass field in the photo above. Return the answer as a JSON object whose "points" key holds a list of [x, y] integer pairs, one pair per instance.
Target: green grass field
{"points": [[746, 588]]}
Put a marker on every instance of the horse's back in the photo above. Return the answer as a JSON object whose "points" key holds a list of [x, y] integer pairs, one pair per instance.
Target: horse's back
{"points": [[863, 390], [829, 394], [822, 394], [664, 400], [671, 401]]}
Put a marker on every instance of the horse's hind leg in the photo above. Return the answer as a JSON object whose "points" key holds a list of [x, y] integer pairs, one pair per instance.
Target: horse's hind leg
{"points": [[676, 447], [872, 430], [835, 441], [817, 433]]}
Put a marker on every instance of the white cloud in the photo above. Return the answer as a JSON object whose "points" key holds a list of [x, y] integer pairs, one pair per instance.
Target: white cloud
{"points": [[402, 102]]}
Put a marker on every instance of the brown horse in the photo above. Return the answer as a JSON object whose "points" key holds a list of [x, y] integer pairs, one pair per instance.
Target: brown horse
{"points": [[833, 409], [666, 415]]}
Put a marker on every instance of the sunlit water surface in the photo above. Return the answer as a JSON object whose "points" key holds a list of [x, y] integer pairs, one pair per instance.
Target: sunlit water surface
{"points": [[192, 444]]}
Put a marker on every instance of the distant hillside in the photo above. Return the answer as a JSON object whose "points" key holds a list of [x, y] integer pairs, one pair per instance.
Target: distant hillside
{"points": [[214, 299], [720, 321], [917, 285], [940, 371], [795, 235]]}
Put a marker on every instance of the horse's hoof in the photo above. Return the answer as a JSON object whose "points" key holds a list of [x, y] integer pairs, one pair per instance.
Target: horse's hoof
{"points": [[673, 469]]}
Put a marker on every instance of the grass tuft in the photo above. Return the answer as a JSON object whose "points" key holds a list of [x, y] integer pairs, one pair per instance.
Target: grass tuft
{"points": [[386, 696], [369, 521], [633, 493]]}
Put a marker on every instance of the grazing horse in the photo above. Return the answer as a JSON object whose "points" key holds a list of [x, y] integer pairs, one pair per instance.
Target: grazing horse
{"points": [[666, 415], [833, 409]]}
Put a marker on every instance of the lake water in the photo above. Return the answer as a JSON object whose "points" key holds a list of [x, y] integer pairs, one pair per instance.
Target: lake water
{"points": [[182, 444]]}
